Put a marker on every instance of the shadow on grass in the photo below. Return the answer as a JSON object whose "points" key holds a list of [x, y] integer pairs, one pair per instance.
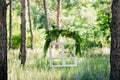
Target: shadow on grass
{"points": [[90, 75], [89, 69]]}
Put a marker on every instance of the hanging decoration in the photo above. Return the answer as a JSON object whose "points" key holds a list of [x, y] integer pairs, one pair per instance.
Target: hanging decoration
{"points": [[52, 35]]}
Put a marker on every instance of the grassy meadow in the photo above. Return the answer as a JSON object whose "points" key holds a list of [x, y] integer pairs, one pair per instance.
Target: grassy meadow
{"points": [[93, 65], [89, 18]]}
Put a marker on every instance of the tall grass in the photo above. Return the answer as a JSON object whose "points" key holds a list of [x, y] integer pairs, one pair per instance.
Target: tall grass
{"points": [[91, 66]]}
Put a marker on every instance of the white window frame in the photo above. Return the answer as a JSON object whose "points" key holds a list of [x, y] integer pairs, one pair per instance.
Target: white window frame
{"points": [[63, 57]]}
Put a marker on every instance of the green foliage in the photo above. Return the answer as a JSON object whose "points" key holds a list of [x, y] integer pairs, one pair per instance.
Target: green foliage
{"points": [[92, 21], [16, 41], [103, 22], [46, 45], [52, 35], [16, 7], [28, 41], [90, 17], [44, 63]]}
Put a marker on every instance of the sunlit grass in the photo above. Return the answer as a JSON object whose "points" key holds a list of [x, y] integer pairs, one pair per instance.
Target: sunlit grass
{"points": [[90, 67]]}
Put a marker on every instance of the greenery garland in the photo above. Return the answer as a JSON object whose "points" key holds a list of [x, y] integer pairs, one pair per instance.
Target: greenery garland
{"points": [[52, 35]]}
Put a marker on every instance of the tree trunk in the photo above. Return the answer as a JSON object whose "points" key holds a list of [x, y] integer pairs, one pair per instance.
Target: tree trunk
{"points": [[58, 13], [46, 16], [23, 32], [115, 41], [58, 19], [30, 25], [3, 41], [10, 24]]}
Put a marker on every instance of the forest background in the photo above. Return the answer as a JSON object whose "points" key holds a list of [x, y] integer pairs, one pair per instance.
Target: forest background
{"points": [[91, 18]]}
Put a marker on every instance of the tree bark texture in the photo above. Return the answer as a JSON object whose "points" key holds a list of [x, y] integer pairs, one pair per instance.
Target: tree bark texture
{"points": [[3, 41], [10, 24], [58, 13], [46, 16], [23, 32], [30, 25], [115, 41], [58, 19]]}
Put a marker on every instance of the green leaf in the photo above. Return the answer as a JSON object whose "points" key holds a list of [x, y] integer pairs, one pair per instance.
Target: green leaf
{"points": [[55, 33]]}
